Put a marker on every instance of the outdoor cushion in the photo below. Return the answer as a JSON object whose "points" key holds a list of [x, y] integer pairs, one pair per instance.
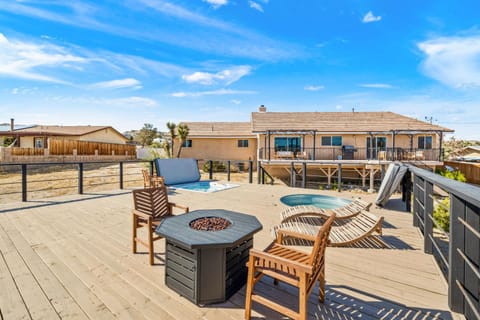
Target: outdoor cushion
{"points": [[176, 171]]}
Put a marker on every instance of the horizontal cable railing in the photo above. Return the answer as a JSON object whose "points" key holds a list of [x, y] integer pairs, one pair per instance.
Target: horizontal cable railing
{"points": [[457, 249], [349, 153]]}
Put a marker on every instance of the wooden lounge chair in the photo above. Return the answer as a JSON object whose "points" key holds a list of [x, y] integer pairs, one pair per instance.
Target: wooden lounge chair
{"points": [[344, 232], [151, 207], [297, 268], [151, 181], [345, 212]]}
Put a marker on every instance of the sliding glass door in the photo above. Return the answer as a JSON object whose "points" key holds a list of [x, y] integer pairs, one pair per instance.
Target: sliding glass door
{"points": [[288, 144], [374, 145]]}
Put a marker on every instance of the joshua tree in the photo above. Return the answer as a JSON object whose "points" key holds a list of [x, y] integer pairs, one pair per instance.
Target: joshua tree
{"points": [[183, 132], [171, 128]]}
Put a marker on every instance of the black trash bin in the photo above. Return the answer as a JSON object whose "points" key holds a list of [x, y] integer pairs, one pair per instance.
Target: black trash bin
{"points": [[348, 152]]}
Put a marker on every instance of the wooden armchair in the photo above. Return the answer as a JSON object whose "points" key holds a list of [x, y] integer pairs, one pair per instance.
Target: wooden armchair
{"points": [[151, 181], [151, 207], [291, 266]]}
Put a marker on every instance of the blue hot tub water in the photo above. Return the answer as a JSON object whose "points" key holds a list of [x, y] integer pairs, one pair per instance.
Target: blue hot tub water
{"points": [[204, 186], [321, 201]]}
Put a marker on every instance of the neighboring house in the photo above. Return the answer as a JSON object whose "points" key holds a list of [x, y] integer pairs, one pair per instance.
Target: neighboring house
{"points": [[37, 136], [317, 136], [470, 153], [219, 141]]}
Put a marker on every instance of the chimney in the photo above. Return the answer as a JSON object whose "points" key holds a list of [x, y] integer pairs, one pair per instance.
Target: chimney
{"points": [[262, 108], [12, 127]]}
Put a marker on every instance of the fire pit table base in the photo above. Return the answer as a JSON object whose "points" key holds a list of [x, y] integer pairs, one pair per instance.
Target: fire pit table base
{"points": [[206, 275]]}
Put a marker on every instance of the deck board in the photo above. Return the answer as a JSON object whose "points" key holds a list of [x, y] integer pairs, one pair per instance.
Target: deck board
{"points": [[71, 258]]}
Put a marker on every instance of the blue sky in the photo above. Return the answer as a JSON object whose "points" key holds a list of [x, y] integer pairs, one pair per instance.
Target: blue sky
{"points": [[129, 62]]}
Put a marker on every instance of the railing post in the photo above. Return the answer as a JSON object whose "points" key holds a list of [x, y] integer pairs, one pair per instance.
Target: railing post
{"points": [[456, 270], [408, 191], [121, 175], [24, 182], [151, 168], [80, 178], [339, 178], [416, 222], [292, 174], [259, 172], [250, 171], [304, 174], [210, 169], [428, 216], [263, 175], [228, 170]]}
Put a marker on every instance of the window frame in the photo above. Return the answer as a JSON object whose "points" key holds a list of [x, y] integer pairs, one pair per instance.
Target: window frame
{"points": [[188, 143], [242, 143], [331, 138], [425, 146]]}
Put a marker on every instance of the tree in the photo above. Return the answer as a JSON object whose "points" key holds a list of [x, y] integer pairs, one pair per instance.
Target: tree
{"points": [[146, 135], [171, 128], [183, 132]]}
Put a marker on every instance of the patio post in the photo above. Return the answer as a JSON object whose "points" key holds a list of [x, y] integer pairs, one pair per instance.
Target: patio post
{"points": [[80, 178]]}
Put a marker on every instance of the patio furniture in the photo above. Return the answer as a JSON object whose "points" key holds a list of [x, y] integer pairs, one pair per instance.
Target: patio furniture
{"points": [[284, 155], [345, 212], [151, 207], [177, 171], [151, 181], [207, 266], [343, 233], [297, 268]]}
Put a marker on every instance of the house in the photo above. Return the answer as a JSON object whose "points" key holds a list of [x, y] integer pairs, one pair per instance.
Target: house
{"points": [[470, 153], [332, 136], [37, 136], [219, 141]]}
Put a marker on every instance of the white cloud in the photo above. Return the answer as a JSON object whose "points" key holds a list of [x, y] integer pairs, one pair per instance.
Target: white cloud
{"points": [[210, 93], [20, 59], [255, 5], [339, 107], [217, 3], [453, 61], [313, 88], [376, 85], [119, 84], [236, 101], [369, 17], [225, 77], [130, 101]]}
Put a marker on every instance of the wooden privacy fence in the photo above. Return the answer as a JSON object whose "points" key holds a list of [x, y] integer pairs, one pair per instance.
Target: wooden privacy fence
{"points": [[66, 147], [469, 169], [27, 151]]}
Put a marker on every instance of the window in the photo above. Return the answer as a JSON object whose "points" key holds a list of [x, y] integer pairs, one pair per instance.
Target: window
{"points": [[243, 143], [287, 144], [38, 143], [425, 142], [331, 140], [187, 144]]}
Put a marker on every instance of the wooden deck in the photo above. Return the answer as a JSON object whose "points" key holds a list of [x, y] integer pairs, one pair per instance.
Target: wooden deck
{"points": [[70, 258]]}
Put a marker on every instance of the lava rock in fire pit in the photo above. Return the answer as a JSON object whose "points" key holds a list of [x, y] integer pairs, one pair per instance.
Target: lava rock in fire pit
{"points": [[210, 224]]}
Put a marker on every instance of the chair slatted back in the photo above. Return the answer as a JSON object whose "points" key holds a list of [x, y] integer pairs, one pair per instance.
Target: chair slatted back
{"points": [[317, 257], [152, 201]]}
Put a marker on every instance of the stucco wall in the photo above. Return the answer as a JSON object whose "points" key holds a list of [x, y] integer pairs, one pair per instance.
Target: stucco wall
{"points": [[219, 149], [26, 142], [104, 135]]}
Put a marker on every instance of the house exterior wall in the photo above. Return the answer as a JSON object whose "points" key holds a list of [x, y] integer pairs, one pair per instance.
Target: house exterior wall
{"points": [[219, 149], [26, 142], [106, 135]]}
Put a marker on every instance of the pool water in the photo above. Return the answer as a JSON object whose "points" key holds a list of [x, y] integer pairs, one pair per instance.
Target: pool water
{"points": [[321, 201], [205, 186]]}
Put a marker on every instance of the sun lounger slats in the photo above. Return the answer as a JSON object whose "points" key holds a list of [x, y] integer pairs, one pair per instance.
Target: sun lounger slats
{"points": [[343, 232], [345, 212]]}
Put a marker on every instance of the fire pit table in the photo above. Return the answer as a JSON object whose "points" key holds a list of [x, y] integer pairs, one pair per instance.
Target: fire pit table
{"points": [[207, 266]]}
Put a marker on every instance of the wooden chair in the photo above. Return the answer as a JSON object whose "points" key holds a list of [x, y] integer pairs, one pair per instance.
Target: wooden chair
{"points": [[151, 207], [151, 181], [349, 210], [343, 233], [297, 268]]}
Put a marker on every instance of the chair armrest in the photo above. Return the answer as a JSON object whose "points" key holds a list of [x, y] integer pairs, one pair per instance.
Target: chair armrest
{"points": [[172, 204], [141, 214], [282, 233], [270, 258]]}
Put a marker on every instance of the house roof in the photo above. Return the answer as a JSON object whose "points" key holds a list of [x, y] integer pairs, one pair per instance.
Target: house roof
{"points": [[339, 122], [62, 130], [219, 129]]}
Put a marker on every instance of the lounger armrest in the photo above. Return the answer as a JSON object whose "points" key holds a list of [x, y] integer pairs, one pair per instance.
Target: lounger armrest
{"points": [[282, 233], [265, 258], [141, 214], [172, 204]]}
